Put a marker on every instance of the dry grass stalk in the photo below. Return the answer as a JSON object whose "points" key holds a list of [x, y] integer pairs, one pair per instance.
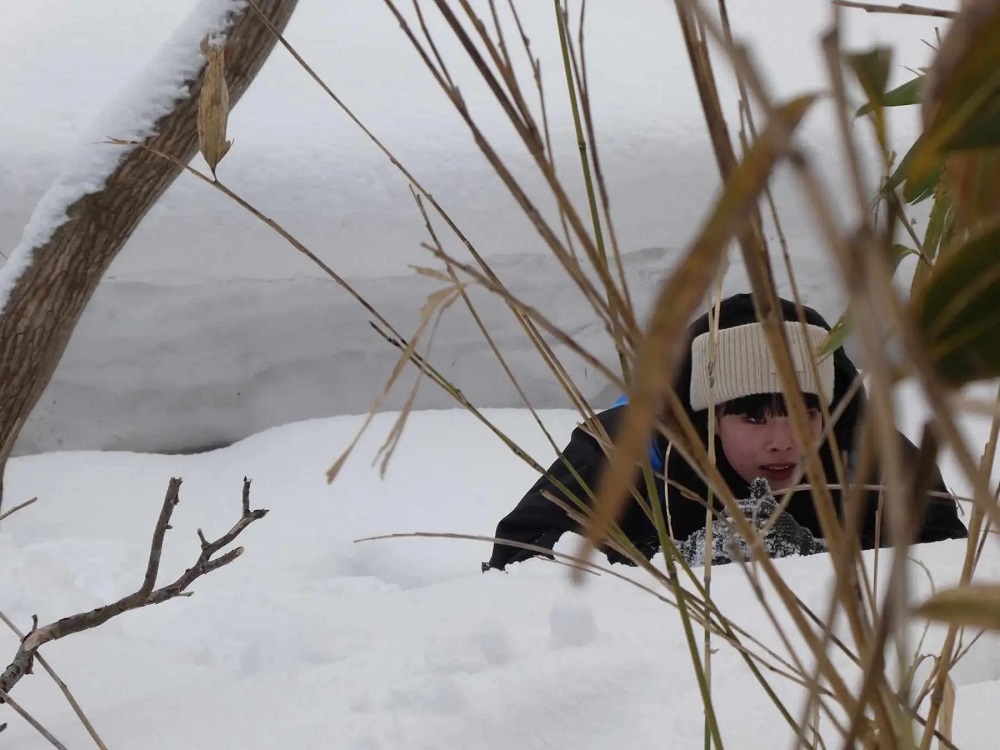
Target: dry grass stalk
{"points": [[611, 304], [436, 301], [49, 737], [679, 297], [63, 687], [906, 9], [573, 82], [531, 331]]}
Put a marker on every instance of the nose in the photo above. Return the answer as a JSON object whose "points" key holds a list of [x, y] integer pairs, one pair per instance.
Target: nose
{"points": [[780, 436]]}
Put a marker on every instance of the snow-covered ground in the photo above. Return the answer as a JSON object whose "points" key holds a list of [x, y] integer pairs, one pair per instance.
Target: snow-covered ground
{"points": [[312, 639], [198, 307]]}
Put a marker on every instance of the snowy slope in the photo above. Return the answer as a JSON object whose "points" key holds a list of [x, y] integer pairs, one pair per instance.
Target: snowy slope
{"points": [[313, 640], [218, 294]]}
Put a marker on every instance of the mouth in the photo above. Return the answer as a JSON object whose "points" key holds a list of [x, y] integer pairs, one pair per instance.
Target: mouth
{"points": [[778, 472]]}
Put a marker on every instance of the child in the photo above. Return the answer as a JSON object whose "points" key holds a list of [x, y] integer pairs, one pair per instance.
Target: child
{"points": [[754, 439]]}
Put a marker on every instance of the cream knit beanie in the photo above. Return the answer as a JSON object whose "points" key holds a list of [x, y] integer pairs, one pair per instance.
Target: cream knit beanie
{"points": [[744, 365]]}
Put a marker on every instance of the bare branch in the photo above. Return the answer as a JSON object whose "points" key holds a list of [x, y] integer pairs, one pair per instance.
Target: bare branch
{"points": [[16, 508], [162, 524], [146, 595]]}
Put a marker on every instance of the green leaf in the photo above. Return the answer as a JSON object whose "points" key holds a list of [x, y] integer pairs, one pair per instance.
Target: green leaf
{"points": [[936, 223], [897, 253], [940, 229], [837, 336], [872, 70], [845, 324], [962, 110], [959, 311], [982, 129], [976, 606], [914, 191], [901, 96]]}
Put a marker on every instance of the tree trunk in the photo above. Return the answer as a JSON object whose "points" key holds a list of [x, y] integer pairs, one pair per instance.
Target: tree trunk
{"points": [[49, 297]]}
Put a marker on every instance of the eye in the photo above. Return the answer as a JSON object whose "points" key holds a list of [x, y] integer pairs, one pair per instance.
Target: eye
{"points": [[754, 418]]}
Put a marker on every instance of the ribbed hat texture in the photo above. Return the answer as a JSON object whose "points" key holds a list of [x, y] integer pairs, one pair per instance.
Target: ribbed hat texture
{"points": [[744, 365]]}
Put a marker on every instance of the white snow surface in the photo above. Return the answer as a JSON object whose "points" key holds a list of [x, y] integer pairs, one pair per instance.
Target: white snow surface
{"points": [[206, 310], [312, 639], [130, 116]]}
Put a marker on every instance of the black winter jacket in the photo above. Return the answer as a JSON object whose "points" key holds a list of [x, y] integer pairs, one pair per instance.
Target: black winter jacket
{"points": [[538, 521]]}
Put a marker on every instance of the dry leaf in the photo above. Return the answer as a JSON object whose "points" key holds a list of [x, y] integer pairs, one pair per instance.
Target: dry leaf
{"points": [[396, 433], [975, 606], [442, 297], [213, 105]]}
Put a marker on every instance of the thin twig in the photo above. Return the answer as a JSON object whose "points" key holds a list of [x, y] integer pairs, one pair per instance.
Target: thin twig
{"points": [[905, 9], [16, 508], [144, 596]]}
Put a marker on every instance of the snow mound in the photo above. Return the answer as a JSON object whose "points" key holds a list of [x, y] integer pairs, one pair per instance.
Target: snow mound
{"points": [[312, 639]]}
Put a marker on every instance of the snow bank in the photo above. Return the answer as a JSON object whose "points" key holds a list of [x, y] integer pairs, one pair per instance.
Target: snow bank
{"points": [[198, 263], [130, 116], [313, 640], [230, 359]]}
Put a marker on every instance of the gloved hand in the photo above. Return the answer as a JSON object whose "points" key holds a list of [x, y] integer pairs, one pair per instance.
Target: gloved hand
{"points": [[518, 554], [787, 536]]}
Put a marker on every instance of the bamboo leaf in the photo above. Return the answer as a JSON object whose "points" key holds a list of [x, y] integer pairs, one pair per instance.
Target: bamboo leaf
{"points": [[916, 187], [959, 310], [940, 230], [837, 336], [872, 71], [902, 96], [662, 347], [914, 191], [845, 323], [975, 605], [974, 179], [960, 99]]}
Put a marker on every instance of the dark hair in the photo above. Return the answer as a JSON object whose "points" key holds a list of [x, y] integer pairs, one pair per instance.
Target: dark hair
{"points": [[735, 311], [761, 405], [738, 310]]}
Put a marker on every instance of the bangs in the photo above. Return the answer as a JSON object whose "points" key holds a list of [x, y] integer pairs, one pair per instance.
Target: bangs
{"points": [[761, 405]]}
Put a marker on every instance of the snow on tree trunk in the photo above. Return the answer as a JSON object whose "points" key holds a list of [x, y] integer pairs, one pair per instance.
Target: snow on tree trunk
{"points": [[102, 194]]}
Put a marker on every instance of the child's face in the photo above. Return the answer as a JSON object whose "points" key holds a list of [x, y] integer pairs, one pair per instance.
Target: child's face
{"points": [[765, 446]]}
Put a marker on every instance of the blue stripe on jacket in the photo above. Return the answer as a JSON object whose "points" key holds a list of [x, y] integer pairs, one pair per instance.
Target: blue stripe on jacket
{"points": [[656, 459]]}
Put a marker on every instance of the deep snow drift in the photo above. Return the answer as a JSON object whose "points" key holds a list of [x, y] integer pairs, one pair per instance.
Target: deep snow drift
{"points": [[313, 640], [206, 310]]}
